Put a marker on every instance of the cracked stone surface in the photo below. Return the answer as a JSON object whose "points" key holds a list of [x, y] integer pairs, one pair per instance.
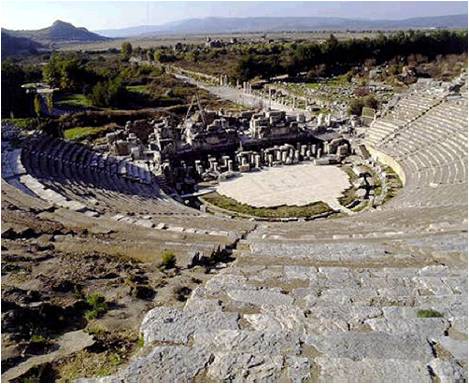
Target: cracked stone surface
{"points": [[264, 321], [448, 371], [165, 364], [344, 370], [164, 324]]}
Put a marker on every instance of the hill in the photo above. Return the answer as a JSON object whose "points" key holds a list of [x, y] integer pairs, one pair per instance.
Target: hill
{"points": [[13, 46], [59, 31], [280, 24]]}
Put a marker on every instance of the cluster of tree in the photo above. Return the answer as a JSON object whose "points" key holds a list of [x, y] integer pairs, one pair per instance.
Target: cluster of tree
{"points": [[161, 55], [68, 72], [164, 57], [108, 93], [15, 101], [100, 80], [338, 57]]}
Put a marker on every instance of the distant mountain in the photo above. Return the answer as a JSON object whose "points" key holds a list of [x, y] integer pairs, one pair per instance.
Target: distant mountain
{"points": [[13, 46], [212, 25], [60, 31]]}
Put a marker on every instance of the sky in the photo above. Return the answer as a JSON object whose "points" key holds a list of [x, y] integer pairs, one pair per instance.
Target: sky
{"points": [[97, 15]]}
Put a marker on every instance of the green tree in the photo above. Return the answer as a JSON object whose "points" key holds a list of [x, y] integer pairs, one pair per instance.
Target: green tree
{"points": [[108, 93], [64, 72], [126, 50], [51, 71], [15, 101]]}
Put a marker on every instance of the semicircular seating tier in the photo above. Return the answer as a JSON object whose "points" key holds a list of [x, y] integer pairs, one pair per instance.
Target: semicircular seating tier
{"points": [[427, 137]]}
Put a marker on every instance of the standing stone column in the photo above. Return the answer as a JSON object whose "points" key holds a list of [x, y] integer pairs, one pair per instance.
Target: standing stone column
{"points": [[284, 156], [198, 167], [296, 156], [211, 161], [313, 149], [320, 120], [278, 154], [270, 159], [303, 150]]}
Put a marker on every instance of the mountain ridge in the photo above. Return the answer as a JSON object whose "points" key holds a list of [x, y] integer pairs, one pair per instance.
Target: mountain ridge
{"points": [[59, 31], [283, 24]]}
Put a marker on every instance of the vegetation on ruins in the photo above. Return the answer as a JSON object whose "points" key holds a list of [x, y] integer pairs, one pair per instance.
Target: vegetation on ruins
{"points": [[393, 183], [348, 197], [97, 303], [229, 204], [356, 105], [168, 259], [426, 313], [112, 348]]}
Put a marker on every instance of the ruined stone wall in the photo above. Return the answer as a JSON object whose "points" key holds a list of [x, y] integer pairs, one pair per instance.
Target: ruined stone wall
{"points": [[387, 160]]}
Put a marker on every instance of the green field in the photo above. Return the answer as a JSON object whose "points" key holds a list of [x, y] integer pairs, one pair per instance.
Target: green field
{"points": [[138, 89], [283, 211], [74, 100], [23, 123], [81, 133]]}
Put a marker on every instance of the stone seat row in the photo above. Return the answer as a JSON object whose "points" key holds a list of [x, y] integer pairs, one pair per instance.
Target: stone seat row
{"points": [[453, 173], [410, 107], [18, 198], [111, 193], [71, 154], [382, 223], [438, 119], [71, 170], [362, 322], [449, 195], [85, 179], [408, 110]]}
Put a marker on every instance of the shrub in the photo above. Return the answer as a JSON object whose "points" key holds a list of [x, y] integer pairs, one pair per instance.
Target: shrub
{"points": [[38, 339], [168, 259], [428, 313], [182, 293], [96, 330], [140, 341], [97, 304]]}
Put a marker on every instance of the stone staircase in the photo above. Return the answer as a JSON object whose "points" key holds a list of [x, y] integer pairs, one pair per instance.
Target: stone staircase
{"points": [[337, 311]]}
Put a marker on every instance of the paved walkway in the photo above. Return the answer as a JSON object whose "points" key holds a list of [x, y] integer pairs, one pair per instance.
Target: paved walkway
{"points": [[238, 96]]}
